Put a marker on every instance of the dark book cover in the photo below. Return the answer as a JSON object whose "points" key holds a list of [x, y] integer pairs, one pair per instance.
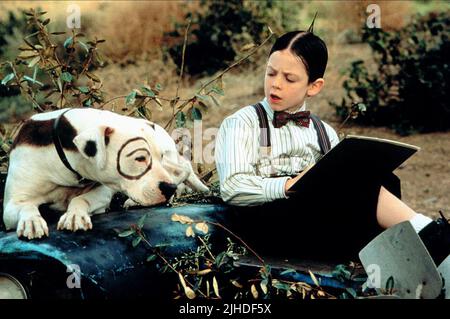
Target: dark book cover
{"points": [[356, 157]]}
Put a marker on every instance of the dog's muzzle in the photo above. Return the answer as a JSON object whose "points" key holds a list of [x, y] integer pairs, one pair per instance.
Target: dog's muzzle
{"points": [[167, 189]]}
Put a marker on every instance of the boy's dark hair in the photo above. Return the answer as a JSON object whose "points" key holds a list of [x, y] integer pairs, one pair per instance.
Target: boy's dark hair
{"points": [[308, 47]]}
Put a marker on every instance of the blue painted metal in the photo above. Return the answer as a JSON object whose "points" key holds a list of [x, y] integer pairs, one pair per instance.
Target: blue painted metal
{"points": [[109, 265]]}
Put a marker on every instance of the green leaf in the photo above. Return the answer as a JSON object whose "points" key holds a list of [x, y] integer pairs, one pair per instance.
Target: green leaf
{"points": [[34, 61], [68, 42], [362, 107], [158, 87], [282, 286], [157, 101], [92, 76], [218, 90], [26, 77], [87, 103], [341, 271], [131, 98], [46, 21], [151, 257], [136, 241], [214, 100], [35, 73], [148, 91], [127, 233], [83, 89], [66, 77], [219, 258], [84, 46], [287, 271], [180, 119], [7, 78], [352, 292], [202, 97], [59, 84], [196, 114], [162, 245], [202, 106], [141, 221]]}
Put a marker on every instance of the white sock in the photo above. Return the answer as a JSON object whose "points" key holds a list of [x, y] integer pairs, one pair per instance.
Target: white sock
{"points": [[419, 222]]}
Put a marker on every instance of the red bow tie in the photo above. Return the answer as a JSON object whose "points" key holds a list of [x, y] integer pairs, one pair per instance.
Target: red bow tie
{"points": [[300, 118]]}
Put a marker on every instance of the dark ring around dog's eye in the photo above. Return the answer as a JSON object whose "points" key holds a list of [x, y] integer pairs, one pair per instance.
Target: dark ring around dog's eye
{"points": [[140, 159]]}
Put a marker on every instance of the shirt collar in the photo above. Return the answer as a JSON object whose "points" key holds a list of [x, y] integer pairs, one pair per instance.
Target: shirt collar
{"points": [[270, 112]]}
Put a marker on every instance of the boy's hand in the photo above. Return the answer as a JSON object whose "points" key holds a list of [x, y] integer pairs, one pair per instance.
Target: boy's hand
{"points": [[292, 181]]}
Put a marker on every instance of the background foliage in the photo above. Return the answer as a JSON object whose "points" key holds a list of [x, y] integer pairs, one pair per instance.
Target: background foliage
{"points": [[222, 29], [409, 89]]}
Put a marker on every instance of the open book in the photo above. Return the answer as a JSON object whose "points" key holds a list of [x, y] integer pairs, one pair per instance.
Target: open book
{"points": [[356, 157]]}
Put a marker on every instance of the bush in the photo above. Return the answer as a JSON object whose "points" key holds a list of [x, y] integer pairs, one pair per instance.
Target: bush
{"points": [[410, 90], [49, 75], [221, 28], [11, 28]]}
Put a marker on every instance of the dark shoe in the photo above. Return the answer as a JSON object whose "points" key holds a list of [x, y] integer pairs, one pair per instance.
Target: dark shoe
{"points": [[436, 237]]}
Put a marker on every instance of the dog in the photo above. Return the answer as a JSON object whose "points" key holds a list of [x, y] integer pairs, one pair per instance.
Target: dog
{"points": [[77, 159]]}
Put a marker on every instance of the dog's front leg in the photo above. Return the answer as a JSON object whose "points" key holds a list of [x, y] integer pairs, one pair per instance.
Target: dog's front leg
{"points": [[30, 223], [80, 209]]}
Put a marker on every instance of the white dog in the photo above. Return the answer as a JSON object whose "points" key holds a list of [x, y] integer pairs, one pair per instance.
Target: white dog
{"points": [[76, 159]]}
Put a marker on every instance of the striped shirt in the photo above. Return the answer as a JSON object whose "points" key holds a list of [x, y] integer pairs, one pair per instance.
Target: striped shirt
{"points": [[248, 178]]}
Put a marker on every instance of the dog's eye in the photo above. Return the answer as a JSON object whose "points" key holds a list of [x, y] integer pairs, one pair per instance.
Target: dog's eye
{"points": [[140, 159]]}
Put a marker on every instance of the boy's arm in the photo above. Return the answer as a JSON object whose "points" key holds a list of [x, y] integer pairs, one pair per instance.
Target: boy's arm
{"points": [[292, 181], [235, 154]]}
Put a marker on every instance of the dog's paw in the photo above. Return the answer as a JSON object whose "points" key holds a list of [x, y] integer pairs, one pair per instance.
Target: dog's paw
{"points": [[183, 189], [75, 220], [130, 203], [32, 226]]}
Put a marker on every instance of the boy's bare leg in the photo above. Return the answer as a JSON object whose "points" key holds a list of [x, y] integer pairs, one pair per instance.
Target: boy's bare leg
{"points": [[391, 210]]}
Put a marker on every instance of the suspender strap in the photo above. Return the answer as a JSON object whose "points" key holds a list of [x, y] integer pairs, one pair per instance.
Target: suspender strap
{"points": [[324, 141], [264, 138], [264, 135]]}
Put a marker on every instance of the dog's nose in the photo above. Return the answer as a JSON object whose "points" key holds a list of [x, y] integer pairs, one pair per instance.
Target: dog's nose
{"points": [[167, 189]]}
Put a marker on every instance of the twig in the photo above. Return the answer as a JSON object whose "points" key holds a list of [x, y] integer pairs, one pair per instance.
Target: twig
{"points": [[236, 63], [220, 75], [139, 231], [343, 123], [206, 247], [182, 63], [33, 100], [112, 99], [124, 96], [237, 237]]}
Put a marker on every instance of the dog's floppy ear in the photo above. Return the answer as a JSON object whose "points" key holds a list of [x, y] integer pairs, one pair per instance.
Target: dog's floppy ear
{"points": [[91, 143]]}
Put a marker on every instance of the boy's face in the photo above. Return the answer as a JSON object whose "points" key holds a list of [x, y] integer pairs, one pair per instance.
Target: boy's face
{"points": [[286, 82]]}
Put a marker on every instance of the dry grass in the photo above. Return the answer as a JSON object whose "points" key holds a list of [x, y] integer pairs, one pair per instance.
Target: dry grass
{"points": [[343, 21], [56, 10], [135, 30]]}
